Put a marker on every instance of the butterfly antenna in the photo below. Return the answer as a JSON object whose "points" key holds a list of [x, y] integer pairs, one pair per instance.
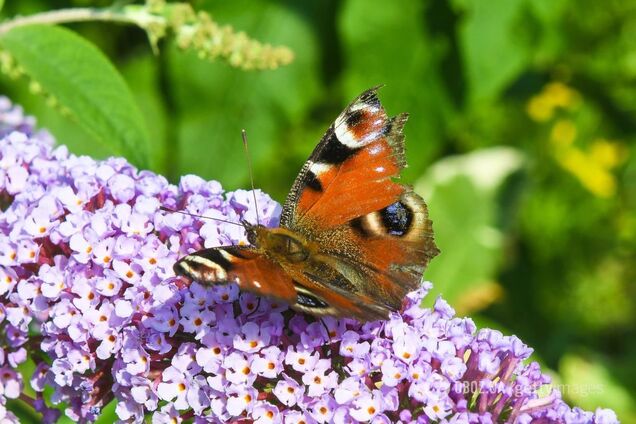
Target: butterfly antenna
{"points": [[163, 208], [249, 167]]}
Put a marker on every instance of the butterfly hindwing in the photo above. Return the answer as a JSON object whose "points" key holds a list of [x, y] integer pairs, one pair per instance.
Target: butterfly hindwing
{"points": [[380, 258], [396, 243], [318, 296]]}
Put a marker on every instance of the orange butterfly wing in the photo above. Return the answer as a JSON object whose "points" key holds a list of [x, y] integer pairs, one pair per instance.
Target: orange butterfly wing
{"points": [[250, 269], [350, 172]]}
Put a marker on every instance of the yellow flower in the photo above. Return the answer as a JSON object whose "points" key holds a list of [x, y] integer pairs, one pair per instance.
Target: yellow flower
{"points": [[593, 166], [560, 95], [608, 154], [539, 109], [554, 95], [593, 175], [599, 182], [563, 133]]}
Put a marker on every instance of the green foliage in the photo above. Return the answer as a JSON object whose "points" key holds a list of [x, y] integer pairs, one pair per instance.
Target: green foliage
{"points": [[372, 57], [108, 414], [470, 238], [489, 33], [252, 97], [545, 250], [589, 382], [83, 83]]}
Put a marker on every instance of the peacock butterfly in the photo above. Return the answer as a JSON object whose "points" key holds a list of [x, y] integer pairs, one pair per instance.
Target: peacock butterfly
{"points": [[352, 241]]}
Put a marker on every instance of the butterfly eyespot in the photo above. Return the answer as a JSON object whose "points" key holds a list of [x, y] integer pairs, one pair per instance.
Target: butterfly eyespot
{"points": [[397, 218]]}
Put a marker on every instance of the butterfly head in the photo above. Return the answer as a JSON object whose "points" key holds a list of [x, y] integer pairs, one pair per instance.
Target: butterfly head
{"points": [[252, 231]]}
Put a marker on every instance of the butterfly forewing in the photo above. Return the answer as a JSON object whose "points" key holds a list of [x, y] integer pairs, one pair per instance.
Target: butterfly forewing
{"points": [[349, 173]]}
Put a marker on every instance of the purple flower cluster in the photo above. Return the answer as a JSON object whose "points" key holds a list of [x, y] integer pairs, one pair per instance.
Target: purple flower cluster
{"points": [[88, 294]]}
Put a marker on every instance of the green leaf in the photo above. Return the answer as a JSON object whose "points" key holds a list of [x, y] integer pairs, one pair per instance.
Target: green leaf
{"points": [[84, 83], [549, 11], [384, 42], [213, 102], [461, 196], [1, 4], [492, 45], [143, 73], [589, 382], [108, 414]]}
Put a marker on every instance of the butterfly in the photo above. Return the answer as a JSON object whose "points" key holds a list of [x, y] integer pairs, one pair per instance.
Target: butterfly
{"points": [[352, 241]]}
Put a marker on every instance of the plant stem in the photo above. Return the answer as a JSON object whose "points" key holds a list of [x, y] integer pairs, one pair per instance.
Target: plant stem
{"points": [[66, 16], [27, 399]]}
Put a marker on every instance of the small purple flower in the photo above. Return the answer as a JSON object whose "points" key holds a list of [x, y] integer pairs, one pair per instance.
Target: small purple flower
{"points": [[251, 339], [393, 372], [320, 379], [238, 369], [175, 387], [167, 415], [436, 409], [301, 360], [265, 413], [10, 383], [288, 391], [268, 364], [322, 409], [240, 399]]}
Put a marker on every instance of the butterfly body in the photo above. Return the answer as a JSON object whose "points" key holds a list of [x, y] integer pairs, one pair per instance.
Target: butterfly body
{"points": [[352, 241]]}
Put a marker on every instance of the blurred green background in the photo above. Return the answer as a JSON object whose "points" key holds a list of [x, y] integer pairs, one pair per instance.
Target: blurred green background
{"points": [[521, 139]]}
